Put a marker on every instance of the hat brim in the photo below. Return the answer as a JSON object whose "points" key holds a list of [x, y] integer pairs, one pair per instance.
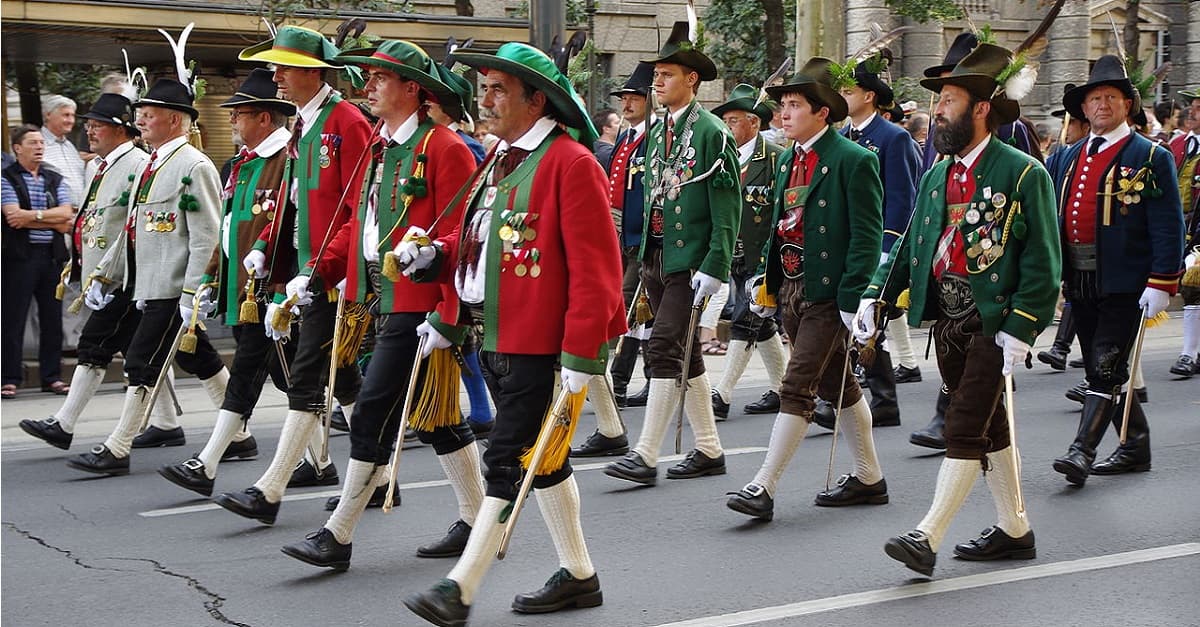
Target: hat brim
{"points": [[276, 104], [743, 104], [1004, 110], [1189, 96], [937, 70], [630, 92], [264, 53], [564, 105], [1058, 113], [92, 115], [693, 59], [174, 106], [1073, 99], [362, 56], [814, 91]]}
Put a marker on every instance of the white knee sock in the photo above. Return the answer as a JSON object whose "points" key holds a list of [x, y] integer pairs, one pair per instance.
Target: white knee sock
{"points": [[347, 411], [954, 482], [481, 548], [560, 510], [608, 420], [357, 488], [901, 344], [315, 439], [774, 358], [466, 477], [84, 383], [737, 357], [215, 387], [786, 435], [660, 410], [1191, 332], [228, 425], [698, 407], [163, 414], [855, 423], [297, 430], [1002, 481], [121, 439]]}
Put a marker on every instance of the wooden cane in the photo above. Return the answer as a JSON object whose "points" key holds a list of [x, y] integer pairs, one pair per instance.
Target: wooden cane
{"points": [[688, 340], [327, 419], [1133, 366], [418, 361], [1010, 412], [837, 413], [162, 374], [557, 413]]}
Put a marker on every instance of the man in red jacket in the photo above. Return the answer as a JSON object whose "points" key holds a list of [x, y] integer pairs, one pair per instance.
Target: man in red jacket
{"points": [[535, 262]]}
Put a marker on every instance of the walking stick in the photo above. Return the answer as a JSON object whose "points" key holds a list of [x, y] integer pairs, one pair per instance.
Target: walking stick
{"points": [[689, 339], [1010, 411], [837, 413], [333, 368], [418, 361], [162, 374], [1133, 366], [283, 364], [558, 414]]}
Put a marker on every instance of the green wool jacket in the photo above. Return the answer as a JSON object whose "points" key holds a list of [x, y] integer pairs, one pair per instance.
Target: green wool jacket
{"points": [[758, 198], [697, 186], [1015, 293], [843, 222]]}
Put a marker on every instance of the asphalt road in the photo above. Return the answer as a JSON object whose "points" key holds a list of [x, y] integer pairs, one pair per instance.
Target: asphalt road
{"points": [[139, 551]]}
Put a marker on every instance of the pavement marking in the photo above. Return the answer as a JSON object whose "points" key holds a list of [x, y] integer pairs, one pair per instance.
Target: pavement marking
{"points": [[417, 485], [817, 606]]}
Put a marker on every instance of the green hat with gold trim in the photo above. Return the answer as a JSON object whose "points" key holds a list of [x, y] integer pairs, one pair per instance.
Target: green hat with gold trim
{"points": [[1189, 95], [294, 46]]}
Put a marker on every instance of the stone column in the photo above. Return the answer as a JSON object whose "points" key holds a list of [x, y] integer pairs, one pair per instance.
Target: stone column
{"points": [[1066, 59], [1192, 50]]}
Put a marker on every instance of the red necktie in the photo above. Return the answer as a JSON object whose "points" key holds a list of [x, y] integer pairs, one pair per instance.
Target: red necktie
{"points": [[297, 134], [244, 156], [669, 135], [799, 169], [148, 170]]}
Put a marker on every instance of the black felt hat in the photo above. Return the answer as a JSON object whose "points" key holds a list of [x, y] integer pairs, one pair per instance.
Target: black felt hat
{"points": [[638, 83], [169, 93], [259, 90], [113, 109], [962, 46], [683, 51], [1108, 70], [977, 73]]}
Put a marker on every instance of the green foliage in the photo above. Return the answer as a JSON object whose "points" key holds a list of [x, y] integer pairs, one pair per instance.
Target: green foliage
{"points": [[843, 74], [80, 83], [923, 11], [909, 88], [733, 32], [279, 11]]}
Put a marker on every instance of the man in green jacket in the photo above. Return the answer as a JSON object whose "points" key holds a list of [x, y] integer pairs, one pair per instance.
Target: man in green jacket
{"points": [[823, 247], [693, 208], [981, 258]]}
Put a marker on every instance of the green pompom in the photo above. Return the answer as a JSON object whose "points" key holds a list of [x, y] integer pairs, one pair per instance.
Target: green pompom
{"points": [[1155, 192], [407, 189], [1012, 141], [420, 190], [421, 158], [124, 199], [132, 178], [187, 180], [1019, 230], [1018, 197]]}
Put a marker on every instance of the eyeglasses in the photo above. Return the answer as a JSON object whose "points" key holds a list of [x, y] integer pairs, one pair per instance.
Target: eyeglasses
{"points": [[233, 115], [94, 127]]}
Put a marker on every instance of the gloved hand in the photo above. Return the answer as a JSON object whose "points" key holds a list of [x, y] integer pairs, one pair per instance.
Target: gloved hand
{"points": [[95, 298], [1154, 301], [762, 311], [574, 381], [1014, 351], [433, 339], [863, 326], [255, 263], [140, 304], [269, 328], [185, 312], [882, 258], [297, 289], [848, 320], [205, 302], [411, 255], [341, 286], [705, 286]]}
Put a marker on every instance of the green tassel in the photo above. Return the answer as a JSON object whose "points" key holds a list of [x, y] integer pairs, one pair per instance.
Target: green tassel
{"points": [[421, 158], [1017, 197], [187, 180], [1019, 230]]}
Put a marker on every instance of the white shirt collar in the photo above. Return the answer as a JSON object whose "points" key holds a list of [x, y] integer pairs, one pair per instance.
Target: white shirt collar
{"points": [[746, 150], [166, 149], [865, 124], [807, 146], [272, 143], [533, 137], [312, 108], [679, 114], [973, 156], [402, 134], [1111, 138], [114, 154]]}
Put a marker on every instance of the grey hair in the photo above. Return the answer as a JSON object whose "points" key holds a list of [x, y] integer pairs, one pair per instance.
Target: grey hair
{"points": [[56, 102]]}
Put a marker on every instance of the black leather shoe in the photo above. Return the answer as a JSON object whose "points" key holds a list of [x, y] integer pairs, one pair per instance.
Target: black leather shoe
{"points": [[851, 491], [752, 500], [994, 544], [639, 399], [1053, 358], [720, 407], [888, 416], [631, 467], [1076, 465], [337, 422], [1076, 363], [411, 439], [1077, 393], [154, 437], [908, 375], [305, 475], [441, 605], [1120, 462], [375, 502], [767, 404], [245, 450], [100, 461], [320, 548], [250, 503], [481, 429], [49, 431], [560, 592], [697, 464], [451, 545], [912, 549], [933, 435], [1185, 367], [599, 445], [188, 475], [823, 414]]}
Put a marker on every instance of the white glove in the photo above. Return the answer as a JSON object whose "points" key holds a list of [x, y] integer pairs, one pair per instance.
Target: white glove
{"points": [[863, 326], [297, 289], [341, 286], [256, 264], [412, 256], [848, 320], [574, 381], [1154, 301], [433, 339], [205, 301], [1191, 260], [96, 299], [185, 312], [705, 286], [140, 304], [882, 258], [268, 323], [762, 311], [1014, 351]]}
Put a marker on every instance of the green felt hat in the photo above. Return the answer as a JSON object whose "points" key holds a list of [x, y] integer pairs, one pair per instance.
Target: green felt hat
{"points": [[406, 59], [293, 46], [1189, 96], [815, 82], [742, 98], [681, 50], [463, 92]]}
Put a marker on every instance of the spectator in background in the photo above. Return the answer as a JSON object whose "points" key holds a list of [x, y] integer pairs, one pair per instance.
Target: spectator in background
{"points": [[36, 202], [1045, 137], [608, 124], [774, 130], [918, 126], [58, 114], [1170, 115]]}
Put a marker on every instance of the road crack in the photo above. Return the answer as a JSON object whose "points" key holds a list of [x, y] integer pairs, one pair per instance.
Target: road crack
{"points": [[212, 605], [73, 515]]}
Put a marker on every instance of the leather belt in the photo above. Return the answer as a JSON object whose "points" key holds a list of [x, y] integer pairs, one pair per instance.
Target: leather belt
{"points": [[1082, 256], [955, 299]]}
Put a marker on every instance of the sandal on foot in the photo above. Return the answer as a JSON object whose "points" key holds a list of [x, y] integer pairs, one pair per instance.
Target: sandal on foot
{"points": [[8, 390], [57, 387]]}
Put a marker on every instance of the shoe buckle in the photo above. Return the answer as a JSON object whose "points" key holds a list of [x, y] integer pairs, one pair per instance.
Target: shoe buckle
{"points": [[193, 464], [843, 479], [987, 533], [98, 449], [50, 422], [753, 490]]}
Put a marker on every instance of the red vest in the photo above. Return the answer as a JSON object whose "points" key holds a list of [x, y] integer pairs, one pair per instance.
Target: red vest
{"points": [[619, 169], [1079, 224]]}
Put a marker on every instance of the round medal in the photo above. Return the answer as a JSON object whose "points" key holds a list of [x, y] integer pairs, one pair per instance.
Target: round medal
{"points": [[256, 209], [973, 216], [324, 161], [998, 200], [985, 243], [529, 233], [505, 232], [535, 271], [520, 270]]}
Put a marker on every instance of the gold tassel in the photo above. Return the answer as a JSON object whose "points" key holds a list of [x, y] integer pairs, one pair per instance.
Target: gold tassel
{"points": [[356, 320], [390, 268], [194, 137], [438, 402], [642, 311], [248, 314], [903, 300], [283, 316], [75, 305], [187, 343], [1191, 278], [60, 290], [1157, 320], [559, 446]]}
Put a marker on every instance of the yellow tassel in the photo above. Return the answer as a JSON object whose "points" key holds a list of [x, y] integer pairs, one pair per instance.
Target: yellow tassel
{"points": [[283, 316], [559, 446], [75, 305], [195, 139], [903, 300], [390, 268], [761, 296], [437, 405], [187, 343], [642, 312], [248, 314], [1157, 320], [1191, 278], [60, 290], [356, 320]]}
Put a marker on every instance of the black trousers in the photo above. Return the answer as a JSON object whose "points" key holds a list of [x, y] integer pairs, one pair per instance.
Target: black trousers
{"points": [[522, 386], [1106, 325], [153, 339], [747, 326], [376, 419], [255, 358], [108, 331], [671, 299], [25, 280], [310, 369]]}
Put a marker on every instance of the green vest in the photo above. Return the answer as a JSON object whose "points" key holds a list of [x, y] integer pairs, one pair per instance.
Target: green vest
{"points": [[308, 177]]}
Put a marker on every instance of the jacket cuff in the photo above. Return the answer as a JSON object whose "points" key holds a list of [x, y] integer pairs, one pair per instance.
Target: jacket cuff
{"points": [[585, 364], [456, 334], [434, 270], [1166, 283], [1022, 325], [260, 245]]}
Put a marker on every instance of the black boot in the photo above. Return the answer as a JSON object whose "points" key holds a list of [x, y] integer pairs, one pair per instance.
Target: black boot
{"points": [[622, 368], [560, 592], [639, 399], [823, 414], [1056, 357], [932, 436], [1134, 455], [1078, 392], [451, 545], [321, 549], [881, 380], [1093, 420]]}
